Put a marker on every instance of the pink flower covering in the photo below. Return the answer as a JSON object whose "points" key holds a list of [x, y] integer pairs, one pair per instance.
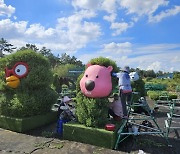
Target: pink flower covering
{"points": [[96, 82]]}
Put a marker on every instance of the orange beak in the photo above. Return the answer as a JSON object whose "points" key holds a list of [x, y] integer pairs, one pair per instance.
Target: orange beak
{"points": [[12, 81]]}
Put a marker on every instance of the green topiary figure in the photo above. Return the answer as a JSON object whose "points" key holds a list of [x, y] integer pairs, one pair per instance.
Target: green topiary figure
{"points": [[138, 85], [93, 88], [26, 89]]}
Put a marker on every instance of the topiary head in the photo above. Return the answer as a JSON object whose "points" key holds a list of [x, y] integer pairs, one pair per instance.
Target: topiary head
{"points": [[97, 81], [27, 69]]}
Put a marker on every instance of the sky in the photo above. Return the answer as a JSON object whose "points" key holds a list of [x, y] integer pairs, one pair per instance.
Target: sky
{"points": [[143, 34]]}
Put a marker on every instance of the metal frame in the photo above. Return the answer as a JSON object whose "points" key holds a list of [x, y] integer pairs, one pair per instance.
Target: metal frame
{"points": [[123, 133], [172, 117]]}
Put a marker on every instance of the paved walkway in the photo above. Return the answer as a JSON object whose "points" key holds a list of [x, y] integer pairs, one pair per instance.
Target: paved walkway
{"points": [[16, 143]]}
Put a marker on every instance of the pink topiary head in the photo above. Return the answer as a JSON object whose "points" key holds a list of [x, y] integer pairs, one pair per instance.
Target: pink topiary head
{"points": [[96, 81]]}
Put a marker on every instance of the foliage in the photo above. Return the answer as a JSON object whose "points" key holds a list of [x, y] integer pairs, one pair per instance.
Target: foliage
{"points": [[95, 136], [90, 111], [163, 84], [30, 47], [138, 86], [5, 47], [104, 62], [61, 76], [62, 70], [34, 95], [176, 76], [155, 86], [67, 59], [154, 95]]}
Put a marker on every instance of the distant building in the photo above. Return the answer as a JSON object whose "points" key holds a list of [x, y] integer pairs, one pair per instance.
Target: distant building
{"points": [[166, 76]]}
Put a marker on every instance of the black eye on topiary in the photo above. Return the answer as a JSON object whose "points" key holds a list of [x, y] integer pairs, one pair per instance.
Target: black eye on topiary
{"points": [[86, 75], [97, 76]]}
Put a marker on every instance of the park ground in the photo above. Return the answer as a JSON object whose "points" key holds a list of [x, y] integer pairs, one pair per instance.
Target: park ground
{"points": [[45, 140]]}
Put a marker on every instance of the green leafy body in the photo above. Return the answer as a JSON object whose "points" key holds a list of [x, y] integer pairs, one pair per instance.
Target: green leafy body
{"points": [[34, 95]]}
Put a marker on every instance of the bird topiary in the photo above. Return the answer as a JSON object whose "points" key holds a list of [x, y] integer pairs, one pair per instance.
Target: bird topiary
{"points": [[93, 89], [26, 90]]}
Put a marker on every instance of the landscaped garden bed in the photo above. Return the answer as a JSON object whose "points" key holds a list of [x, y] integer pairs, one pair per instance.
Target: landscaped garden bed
{"points": [[26, 124], [95, 136]]}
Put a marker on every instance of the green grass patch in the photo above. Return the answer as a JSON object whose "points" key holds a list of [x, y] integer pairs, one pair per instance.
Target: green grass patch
{"points": [[25, 124], [94, 136]]}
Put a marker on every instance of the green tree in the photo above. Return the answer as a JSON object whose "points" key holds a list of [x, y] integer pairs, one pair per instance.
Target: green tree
{"points": [[150, 73], [54, 61], [67, 59], [5, 47], [30, 46]]}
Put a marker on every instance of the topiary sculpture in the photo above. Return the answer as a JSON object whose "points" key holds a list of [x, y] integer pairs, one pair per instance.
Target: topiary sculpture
{"points": [[138, 85], [93, 88], [26, 90]]}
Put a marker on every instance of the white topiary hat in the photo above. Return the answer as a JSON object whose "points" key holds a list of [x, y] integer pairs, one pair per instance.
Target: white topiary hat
{"points": [[126, 69]]}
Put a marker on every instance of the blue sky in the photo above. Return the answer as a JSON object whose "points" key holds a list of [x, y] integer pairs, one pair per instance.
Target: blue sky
{"points": [[138, 33]]}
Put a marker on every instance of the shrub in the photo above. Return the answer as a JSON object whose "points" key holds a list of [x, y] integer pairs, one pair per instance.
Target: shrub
{"points": [[172, 96], [34, 95], [138, 86], [154, 95], [155, 86]]}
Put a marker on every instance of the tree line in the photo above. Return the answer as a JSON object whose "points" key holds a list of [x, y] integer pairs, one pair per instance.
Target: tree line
{"points": [[55, 61]]}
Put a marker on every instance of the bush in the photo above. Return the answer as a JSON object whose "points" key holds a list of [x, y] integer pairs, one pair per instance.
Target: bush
{"points": [[154, 95], [90, 111], [138, 86], [172, 96], [34, 95], [155, 86]]}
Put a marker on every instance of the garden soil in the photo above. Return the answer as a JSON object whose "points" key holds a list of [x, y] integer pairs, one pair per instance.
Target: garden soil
{"points": [[44, 140]]}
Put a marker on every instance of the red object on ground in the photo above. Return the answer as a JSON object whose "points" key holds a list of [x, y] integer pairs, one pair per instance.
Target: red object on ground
{"points": [[110, 127]]}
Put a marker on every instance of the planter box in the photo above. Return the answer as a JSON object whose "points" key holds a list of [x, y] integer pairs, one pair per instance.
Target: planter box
{"points": [[89, 135], [25, 124]]}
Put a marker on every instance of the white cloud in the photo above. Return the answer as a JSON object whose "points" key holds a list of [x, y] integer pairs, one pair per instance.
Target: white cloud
{"points": [[157, 61], [120, 27], [111, 18], [139, 7], [6, 10], [117, 48], [156, 48], [69, 35], [176, 59], [86, 4], [156, 66], [164, 14], [125, 54], [39, 32], [11, 29], [109, 6]]}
